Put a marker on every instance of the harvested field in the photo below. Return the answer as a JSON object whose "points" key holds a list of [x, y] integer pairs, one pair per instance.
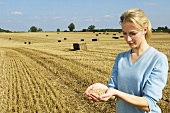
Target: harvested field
{"points": [[48, 77]]}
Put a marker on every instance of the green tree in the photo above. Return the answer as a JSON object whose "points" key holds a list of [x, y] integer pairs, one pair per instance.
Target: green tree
{"points": [[163, 29], [71, 27], [39, 30], [166, 28], [91, 28], [33, 29], [58, 30], [84, 30], [2, 30]]}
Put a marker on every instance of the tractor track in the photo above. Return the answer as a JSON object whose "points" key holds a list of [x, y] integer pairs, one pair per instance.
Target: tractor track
{"points": [[54, 77]]}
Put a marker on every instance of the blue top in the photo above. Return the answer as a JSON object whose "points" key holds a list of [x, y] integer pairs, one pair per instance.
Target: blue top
{"points": [[145, 78]]}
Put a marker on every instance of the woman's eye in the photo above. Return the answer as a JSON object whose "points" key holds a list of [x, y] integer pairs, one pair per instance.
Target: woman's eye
{"points": [[132, 33], [124, 33]]}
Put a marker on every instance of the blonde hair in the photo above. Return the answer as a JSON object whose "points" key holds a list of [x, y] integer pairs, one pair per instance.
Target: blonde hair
{"points": [[139, 18]]}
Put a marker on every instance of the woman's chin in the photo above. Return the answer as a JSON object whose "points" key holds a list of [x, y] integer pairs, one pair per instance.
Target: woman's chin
{"points": [[132, 46]]}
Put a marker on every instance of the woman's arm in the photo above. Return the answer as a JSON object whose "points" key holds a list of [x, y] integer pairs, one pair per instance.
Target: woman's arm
{"points": [[111, 93], [139, 102]]}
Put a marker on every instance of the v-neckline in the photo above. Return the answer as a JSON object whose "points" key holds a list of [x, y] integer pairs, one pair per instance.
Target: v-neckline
{"points": [[130, 59]]}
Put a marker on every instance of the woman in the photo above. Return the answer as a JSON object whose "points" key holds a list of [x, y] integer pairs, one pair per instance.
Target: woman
{"points": [[138, 75]]}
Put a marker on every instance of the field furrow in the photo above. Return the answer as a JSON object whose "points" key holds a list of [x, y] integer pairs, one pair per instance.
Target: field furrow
{"points": [[3, 85], [17, 98], [74, 61], [62, 69]]}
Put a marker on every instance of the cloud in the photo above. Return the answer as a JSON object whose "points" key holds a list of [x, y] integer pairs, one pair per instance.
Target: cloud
{"points": [[16, 13], [89, 20], [65, 20], [73, 18], [57, 17], [70, 19], [92, 20], [150, 3], [108, 16]]}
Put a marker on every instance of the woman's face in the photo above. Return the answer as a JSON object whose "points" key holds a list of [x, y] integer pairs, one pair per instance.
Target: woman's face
{"points": [[133, 36]]}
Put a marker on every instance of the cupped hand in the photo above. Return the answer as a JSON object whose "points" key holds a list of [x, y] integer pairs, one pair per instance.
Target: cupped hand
{"points": [[110, 94], [95, 90]]}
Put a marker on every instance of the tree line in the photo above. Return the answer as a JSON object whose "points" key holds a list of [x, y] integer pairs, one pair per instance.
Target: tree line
{"points": [[163, 29], [71, 28], [3, 30], [91, 28]]}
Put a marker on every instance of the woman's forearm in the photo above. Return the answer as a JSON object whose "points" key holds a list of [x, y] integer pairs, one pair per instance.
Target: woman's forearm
{"points": [[139, 102]]}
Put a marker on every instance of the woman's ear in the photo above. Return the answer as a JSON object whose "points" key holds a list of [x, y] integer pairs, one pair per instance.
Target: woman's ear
{"points": [[145, 30]]}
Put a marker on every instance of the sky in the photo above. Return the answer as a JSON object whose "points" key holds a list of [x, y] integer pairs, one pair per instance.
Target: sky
{"points": [[49, 15]]}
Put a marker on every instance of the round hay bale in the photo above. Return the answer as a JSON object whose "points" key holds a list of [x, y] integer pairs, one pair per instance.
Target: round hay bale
{"points": [[121, 36], [79, 46], [114, 34], [59, 40], [25, 42], [94, 39], [29, 42], [82, 39], [65, 38], [115, 37], [46, 35], [97, 35], [76, 46], [10, 38]]}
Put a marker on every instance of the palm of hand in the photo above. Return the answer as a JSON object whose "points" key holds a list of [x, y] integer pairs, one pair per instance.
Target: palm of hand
{"points": [[97, 89]]}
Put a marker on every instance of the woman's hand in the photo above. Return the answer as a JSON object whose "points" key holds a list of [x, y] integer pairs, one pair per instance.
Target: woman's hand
{"points": [[100, 92], [110, 94], [95, 91]]}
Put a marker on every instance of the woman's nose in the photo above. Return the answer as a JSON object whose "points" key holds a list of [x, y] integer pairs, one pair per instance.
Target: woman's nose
{"points": [[129, 38]]}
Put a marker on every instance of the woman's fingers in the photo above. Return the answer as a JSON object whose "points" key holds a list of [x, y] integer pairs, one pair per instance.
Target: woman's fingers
{"points": [[105, 97], [94, 97]]}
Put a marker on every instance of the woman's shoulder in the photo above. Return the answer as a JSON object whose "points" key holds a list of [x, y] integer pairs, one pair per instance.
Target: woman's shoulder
{"points": [[125, 53], [157, 57], [156, 53]]}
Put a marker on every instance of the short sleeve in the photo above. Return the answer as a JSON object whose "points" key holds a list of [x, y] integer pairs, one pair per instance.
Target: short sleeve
{"points": [[156, 81], [113, 78]]}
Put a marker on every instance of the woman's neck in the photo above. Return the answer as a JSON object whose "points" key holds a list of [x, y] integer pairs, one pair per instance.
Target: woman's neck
{"points": [[140, 50]]}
